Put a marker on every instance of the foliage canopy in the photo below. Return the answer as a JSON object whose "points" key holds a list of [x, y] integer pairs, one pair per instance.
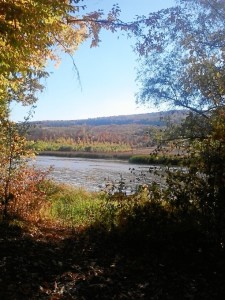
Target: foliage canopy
{"points": [[32, 32], [35, 31], [183, 58], [184, 54]]}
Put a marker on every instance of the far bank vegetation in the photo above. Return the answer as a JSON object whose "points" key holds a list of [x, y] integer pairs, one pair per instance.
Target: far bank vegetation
{"points": [[121, 136]]}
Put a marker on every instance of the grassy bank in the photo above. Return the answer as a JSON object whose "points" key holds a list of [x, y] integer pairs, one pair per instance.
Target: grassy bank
{"points": [[96, 246], [156, 160], [76, 207], [94, 155], [71, 207], [146, 159], [71, 146]]}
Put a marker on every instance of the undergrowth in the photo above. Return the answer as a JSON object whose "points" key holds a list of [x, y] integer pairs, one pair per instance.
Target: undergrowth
{"points": [[150, 213], [78, 208], [145, 214], [155, 159], [71, 207]]}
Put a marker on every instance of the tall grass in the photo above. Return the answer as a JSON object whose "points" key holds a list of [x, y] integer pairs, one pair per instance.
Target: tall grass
{"points": [[77, 208], [70, 206], [92, 155], [149, 213], [155, 159], [40, 146]]}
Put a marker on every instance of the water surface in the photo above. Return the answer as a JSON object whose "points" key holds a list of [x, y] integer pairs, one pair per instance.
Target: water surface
{"points": [[94, 174]]}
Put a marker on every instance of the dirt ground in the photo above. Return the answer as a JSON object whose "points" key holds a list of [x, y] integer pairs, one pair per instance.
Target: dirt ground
{"points": [[54, 263]]}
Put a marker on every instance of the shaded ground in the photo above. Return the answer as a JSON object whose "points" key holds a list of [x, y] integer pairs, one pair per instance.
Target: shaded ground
{"points": [[57, 264]]}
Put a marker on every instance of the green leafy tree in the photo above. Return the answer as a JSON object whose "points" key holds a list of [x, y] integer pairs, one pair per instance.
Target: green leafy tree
{"points": [[183, 66]]}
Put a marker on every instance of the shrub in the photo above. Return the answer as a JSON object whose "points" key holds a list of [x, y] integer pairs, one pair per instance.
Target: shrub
{"points": [[155, 159], [27, 194]]}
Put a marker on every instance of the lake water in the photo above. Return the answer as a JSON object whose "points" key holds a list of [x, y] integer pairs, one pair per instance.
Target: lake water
{"points": [[95, 174]]}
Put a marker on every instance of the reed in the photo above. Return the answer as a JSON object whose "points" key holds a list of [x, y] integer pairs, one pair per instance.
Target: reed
{"points": [[72, 207], [156, 160]]}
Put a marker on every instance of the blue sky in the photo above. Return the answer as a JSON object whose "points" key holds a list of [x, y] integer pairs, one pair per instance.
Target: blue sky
{"points": [[107, 74]]}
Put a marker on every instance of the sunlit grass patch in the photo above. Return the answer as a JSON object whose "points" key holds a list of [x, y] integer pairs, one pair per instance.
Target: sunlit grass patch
{"points": [[78, 208], [72, 207]]}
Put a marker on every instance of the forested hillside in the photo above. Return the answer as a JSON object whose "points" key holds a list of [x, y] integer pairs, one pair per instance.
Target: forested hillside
{"points": [[155, 119], [126, 132]]}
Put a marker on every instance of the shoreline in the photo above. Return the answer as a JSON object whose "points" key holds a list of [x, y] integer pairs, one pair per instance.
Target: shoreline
{"points": [[94, 155], [138, 157]]}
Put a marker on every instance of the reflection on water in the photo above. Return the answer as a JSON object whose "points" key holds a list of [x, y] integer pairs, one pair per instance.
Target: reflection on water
{"points": [[94, 174]]}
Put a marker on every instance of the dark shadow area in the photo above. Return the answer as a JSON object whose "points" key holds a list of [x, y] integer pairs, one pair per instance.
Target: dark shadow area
{"points": [[120, 264]]}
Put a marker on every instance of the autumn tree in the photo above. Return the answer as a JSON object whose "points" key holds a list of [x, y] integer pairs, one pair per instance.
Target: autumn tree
{"points": [[183, 53], [32, 32]]}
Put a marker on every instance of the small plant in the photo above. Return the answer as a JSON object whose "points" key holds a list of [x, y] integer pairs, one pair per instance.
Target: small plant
{"points": [[28, 196], [19, 184], [13, 151]]}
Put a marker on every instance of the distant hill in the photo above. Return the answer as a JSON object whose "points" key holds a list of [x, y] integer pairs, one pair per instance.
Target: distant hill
{"points": [[150, 119], [129, 131]]}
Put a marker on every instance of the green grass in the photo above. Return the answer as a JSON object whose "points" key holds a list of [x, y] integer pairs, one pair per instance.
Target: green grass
{"points": [[72, 207], [153, 159], [78, 208], [40, 146], [92, 155], [147, 213]]}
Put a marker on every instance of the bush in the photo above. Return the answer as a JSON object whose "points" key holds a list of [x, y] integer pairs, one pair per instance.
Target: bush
{"points": [[155, 159], [27, 194], [65, 148]]}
